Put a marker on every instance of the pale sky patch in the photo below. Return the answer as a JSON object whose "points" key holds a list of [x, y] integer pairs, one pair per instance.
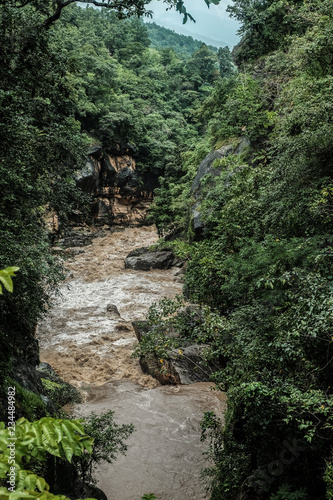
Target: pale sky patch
{"points": [[212, 25]]}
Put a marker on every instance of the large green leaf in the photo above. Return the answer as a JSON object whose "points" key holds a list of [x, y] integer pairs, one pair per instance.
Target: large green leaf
{"points": [[5, 278], [76, 425], [67, 448]]}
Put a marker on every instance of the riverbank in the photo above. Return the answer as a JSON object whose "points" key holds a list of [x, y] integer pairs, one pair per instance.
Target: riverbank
{"points": [[88, 339]]}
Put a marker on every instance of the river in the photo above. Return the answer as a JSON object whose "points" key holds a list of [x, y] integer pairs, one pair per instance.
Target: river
{"points": [[89, 344]]}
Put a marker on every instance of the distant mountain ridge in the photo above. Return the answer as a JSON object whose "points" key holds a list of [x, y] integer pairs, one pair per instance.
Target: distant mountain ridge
{"points": [[161, 37]]}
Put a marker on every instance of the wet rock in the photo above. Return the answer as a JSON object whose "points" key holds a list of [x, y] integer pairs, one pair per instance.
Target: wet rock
{"points": [[87, 178], [154, 367], [92, 491], [120, 194], [77, 239], [140, 329], [105, 212], [45, 369], [108, 172], [27, 376], [150, 364], [188, 365], [62, 394], [96, 151], [206, 166], [123, 328], [121, 149], [58, 250], [182, 366], [112, 309], [180, 275], [143, 260], [128, 182], [76, 251]]}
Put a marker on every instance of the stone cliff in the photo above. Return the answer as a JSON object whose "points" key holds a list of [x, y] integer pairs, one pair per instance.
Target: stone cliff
{"points": [[121, 196]]}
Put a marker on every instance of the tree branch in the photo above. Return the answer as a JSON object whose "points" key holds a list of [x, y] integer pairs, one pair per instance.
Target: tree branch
{"points": [[123, 8], [57, 13]]}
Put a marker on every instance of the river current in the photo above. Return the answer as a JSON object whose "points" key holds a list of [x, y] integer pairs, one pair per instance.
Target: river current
{"points": [[89, 343]]}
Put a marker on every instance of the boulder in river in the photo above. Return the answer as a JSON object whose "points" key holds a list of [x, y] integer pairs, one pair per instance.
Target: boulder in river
{"points": [[182, 366], [142, 259], [112, 309]]}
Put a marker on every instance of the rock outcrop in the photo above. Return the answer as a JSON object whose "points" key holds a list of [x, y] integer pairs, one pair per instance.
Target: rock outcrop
{"points": [[142, 259], [121, 197], [188, 365], [182, 366], [206, 168]]}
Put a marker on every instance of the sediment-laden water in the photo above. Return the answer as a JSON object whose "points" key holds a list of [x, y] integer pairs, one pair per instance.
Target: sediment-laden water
{"points": [[90, 345]]}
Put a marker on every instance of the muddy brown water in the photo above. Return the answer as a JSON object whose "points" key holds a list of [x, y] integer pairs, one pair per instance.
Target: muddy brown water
{"points": [[90, 346]]}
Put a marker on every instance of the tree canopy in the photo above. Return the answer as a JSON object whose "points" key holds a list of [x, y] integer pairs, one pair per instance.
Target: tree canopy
{"points": [[51, 11], [260, 267]]}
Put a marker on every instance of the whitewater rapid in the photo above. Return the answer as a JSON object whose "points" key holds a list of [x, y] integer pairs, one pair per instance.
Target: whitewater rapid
{"points": [[88, 338]]}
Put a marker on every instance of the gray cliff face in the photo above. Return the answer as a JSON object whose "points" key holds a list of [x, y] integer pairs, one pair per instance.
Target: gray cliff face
{"points": [[121, 197], [206, 168]]}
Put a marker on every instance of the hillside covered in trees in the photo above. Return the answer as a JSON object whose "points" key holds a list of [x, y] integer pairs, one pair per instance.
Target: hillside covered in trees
{"points": [[262, 259], [89, 78], [255, 231], [163, 38]]}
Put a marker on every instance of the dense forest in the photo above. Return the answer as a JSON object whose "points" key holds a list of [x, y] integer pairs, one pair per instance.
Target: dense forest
{"points": [[258, 262], [163, 38], [263, 258], [90, 78]]}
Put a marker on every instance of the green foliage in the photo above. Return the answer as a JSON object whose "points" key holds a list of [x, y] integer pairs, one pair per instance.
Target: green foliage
{"points": [[201, 69], [150, 496], [180, 248], [33, 442], [40, 143], [284, 493], [108, 442], [212, 429], [328, 477], [129, 93], [171, 206], [227, 68], [29, 403], [264, 262], [267, 25], [244, 111], [92, 67], [173, 325], [6, 278], [60, 392], [262, 273], [163, 38]]}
